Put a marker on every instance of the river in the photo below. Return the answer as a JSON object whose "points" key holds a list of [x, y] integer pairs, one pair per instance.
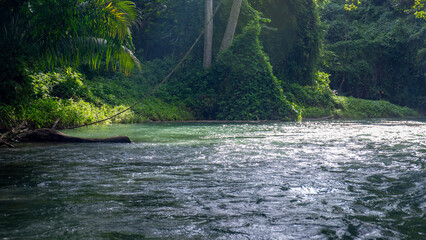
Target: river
{"points": [[359, 179]]}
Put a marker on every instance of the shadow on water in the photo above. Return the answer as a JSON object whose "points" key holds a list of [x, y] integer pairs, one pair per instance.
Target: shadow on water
{"points": [[21, 201]]}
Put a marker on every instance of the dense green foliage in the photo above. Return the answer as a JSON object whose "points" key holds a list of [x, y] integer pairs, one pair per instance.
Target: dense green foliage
{"points": [[73, 99], [270, 72], [43, 34], [349, 107], [245, 85], [315, 100], [377, 52]]}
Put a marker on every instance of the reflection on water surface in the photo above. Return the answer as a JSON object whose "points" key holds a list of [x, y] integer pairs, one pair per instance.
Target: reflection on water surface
{"points": [[310, 180]]}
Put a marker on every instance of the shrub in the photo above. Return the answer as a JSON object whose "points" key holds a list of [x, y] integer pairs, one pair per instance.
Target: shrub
{"points": [[349, 107], [44, 112], [65, 84], [316, 100]]}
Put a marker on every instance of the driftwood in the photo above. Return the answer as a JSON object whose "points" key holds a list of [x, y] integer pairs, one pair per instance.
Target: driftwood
{"points": [[3, 142], [12, 134], [50, 135]]}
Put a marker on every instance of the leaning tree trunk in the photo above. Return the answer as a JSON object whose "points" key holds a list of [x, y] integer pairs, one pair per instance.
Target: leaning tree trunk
{"points": [[208, 35], [232, 24]]}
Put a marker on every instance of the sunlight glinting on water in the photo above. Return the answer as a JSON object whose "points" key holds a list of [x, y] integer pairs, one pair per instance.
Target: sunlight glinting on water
{"points": [[309, 180]]}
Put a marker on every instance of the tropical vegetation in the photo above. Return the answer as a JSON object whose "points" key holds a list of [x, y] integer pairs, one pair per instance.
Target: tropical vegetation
{"points": [[66, 63]]}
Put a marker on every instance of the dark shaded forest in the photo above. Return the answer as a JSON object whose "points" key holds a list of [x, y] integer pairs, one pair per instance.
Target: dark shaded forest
{"points": [[376, 52]]}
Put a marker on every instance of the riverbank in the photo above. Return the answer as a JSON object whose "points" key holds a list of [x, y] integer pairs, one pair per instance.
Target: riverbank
{"points": [[69, 98], [344, 108], [355, 108], [62, 113]]}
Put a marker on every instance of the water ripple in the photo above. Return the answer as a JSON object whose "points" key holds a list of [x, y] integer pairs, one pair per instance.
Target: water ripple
{"points": [[310, 180]]}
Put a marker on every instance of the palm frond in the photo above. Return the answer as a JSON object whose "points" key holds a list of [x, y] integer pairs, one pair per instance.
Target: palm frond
{"points": [[98, 35], [92, 51], [110, 18]]}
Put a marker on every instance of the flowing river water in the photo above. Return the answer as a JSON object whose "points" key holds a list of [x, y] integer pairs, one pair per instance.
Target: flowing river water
{"points": [[363, 179]]}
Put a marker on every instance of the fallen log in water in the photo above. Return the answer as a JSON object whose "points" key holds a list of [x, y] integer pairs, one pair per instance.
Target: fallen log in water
{"points": [[4, 142], [50, 135]]}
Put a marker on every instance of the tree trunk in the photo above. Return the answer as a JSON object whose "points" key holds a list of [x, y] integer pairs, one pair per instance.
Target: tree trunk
{"points": [[232, 24], [50, 135], [208, 34]]}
